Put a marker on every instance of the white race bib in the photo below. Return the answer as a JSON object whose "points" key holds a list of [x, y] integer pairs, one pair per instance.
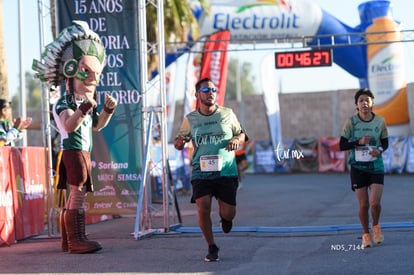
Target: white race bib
{"points": [[210, 163], [362, 154]]}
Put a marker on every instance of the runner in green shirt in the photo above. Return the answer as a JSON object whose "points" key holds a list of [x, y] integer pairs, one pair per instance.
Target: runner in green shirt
{"points": [[215, 134], [366, 135]]}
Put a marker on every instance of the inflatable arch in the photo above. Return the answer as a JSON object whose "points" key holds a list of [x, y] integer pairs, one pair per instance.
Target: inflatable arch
{"points": [[378, 66]]}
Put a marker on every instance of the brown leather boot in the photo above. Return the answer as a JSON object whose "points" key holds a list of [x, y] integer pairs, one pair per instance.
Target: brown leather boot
{"points": [[76, 242], [63, 231], [81, 219]]}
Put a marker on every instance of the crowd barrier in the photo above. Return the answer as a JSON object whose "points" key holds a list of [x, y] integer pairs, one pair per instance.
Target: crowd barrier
{"points": [[22, 189]]}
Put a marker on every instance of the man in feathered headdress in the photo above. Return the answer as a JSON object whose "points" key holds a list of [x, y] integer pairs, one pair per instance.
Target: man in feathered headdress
{"points": [[77, 56]]}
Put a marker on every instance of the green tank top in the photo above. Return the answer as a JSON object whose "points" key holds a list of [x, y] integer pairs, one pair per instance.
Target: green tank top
{"points": [[354, 129], [210, 135]]}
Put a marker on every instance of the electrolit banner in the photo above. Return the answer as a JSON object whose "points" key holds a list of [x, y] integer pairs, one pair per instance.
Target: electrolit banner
{"points": [[117, 149], [378, 66], [262, 19], [273, 19]]}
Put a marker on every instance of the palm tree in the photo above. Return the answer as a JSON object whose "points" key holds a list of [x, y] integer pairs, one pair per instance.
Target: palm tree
{"points": [[4, 87], [179, 21]]}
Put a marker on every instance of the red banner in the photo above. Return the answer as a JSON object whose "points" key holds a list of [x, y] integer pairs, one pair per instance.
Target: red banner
{"points": [[329, 156], [6, 199], [29, 165], [22, 186], [307, 158], [30, 179], [214, 62]]}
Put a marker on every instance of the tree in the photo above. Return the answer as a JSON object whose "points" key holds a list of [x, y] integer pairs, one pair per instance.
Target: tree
{"points": [[246, 80], [4, 87], [179, 21], [33, 92]]}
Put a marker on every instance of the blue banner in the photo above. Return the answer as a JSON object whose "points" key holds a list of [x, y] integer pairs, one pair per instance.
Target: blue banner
{"points": [[264, 157], [117, 149]]}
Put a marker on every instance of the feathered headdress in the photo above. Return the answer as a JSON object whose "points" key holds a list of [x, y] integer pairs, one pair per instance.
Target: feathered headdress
{"points": [[60, 58]]}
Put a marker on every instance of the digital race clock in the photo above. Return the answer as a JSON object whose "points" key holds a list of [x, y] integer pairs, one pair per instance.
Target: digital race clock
{"points": [[303, 59]]}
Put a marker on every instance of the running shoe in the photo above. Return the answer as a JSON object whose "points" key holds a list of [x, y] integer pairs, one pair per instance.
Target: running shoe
{"points": [[366, 240], [212, 255], [378, 237], [226, 225]]}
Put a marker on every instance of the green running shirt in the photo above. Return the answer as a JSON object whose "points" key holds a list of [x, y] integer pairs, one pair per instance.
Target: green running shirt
{"points": [[354, 129], [210, 135]]}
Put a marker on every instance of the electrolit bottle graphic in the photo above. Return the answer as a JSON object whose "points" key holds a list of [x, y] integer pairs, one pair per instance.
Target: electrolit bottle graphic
{"points": [[386, 69]]}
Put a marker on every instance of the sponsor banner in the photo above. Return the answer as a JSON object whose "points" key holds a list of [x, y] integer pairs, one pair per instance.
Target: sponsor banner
{"points": [[395, 156], [7, 225], [410, 155], [329, 156], [214, 62], [285, 156], [170, 82], [308, 159], [117, 150], [271, 99], [191, 76], [386, 67], [154, 95], [29, 169], [264, 157], [250, 19]]}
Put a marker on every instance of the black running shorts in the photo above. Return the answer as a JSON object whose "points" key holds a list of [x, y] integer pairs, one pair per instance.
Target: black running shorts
{"points": [[224, 189], [361, 178]]}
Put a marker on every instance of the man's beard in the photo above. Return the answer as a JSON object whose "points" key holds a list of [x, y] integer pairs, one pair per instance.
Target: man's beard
{"points": [[207, 102]]}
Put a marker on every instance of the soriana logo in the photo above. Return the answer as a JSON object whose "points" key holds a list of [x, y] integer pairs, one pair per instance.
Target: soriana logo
{"points": [[33, 189]]}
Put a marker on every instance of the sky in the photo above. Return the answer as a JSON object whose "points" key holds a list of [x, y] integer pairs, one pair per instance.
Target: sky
{"points": [[31, 41], [292, 80]]}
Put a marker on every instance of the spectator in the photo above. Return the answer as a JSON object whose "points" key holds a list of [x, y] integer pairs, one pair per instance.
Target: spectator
{"points": [[10, 132]]}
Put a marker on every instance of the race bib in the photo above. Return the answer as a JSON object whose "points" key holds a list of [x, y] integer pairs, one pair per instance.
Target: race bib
{"points": [[210, 163], [363, 154]]}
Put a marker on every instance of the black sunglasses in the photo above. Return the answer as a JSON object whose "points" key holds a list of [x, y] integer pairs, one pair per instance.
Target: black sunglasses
{"points": [[208, 89]]}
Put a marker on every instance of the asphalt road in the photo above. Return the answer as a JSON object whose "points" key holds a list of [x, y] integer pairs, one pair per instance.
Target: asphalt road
{"points": [[285, 224]]}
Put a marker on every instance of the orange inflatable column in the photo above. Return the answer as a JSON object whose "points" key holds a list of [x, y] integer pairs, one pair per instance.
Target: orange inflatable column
{"points": [[386, 68]]}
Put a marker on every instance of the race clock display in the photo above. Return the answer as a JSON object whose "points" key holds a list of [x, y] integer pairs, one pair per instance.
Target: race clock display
{"points": [[303, 59]]}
